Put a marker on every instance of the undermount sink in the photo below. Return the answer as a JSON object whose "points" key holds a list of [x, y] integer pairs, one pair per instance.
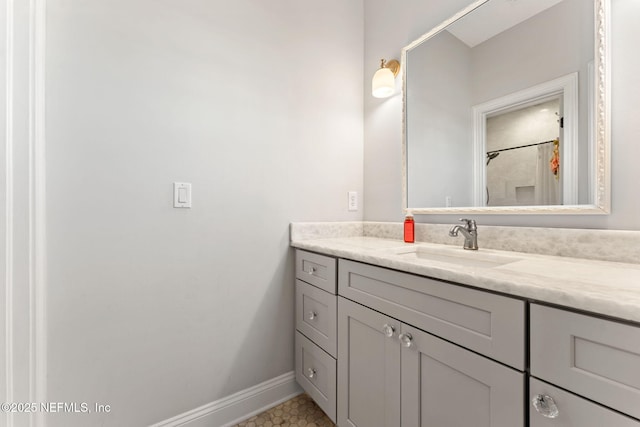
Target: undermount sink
{"points": [[455, 256]]}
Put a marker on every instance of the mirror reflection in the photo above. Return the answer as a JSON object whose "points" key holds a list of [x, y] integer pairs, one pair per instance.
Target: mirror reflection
{"points": [[523, 156], [499, 107]]}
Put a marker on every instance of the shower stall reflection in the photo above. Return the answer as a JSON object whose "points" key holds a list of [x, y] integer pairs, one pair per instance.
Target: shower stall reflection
{"points": [[523, 153]]}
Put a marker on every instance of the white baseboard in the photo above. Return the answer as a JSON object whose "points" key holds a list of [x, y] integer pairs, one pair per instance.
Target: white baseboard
{"points": [[244, 404]]}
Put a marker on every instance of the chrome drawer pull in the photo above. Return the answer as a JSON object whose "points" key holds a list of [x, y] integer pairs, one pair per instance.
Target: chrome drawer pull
{"points": [[311, 373], [312, 315], [312, 270], [406, 340], [545, 406], [388, 330]]}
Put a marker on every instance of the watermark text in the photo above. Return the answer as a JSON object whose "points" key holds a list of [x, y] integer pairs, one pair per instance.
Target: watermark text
{"points": [[54, 407]]}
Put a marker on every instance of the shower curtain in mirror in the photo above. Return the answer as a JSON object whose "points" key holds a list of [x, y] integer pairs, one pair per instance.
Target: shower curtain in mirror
{"points": [[547, 189]]}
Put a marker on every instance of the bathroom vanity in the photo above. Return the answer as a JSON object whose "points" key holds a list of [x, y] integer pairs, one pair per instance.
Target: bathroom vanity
{"points": [[393, 334]]}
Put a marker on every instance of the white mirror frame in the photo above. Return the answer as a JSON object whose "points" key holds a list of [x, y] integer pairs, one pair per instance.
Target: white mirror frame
{"points": [[599, 156]]}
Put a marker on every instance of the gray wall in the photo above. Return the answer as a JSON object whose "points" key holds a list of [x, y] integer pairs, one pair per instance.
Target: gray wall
{"points": [[383, 118], [156, 310]]}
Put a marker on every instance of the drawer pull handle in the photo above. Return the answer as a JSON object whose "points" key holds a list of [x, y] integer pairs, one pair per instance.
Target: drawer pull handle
{"points": [[311, 373], [406, 340], [312, 270], [545, 406], [388, 330], [312, 315]]}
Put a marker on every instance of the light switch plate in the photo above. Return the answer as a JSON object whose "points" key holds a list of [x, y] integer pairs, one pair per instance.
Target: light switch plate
{"points": [[181, 194]]}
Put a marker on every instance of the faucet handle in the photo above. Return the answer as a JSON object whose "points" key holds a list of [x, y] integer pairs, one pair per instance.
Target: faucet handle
{"points": [[469, 223]]}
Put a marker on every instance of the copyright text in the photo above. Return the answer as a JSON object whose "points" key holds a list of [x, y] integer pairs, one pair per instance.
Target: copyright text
{"points": [[54, 407]]}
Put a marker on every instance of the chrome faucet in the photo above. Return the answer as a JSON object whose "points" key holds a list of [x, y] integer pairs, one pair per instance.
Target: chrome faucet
{"points": [[469, 231]]}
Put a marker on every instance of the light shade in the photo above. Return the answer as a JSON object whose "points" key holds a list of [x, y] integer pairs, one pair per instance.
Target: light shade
{"points": [[383, 84]]}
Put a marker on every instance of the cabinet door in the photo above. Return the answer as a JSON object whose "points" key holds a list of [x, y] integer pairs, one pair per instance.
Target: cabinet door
{"points": [[368, 367], [447, 385]]}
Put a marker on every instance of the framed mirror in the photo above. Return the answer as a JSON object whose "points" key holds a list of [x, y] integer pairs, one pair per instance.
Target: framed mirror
{"points": [[506, 110]]}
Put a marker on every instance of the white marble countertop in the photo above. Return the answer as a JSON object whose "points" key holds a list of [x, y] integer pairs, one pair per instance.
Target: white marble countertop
{"points": [[603, 287]]}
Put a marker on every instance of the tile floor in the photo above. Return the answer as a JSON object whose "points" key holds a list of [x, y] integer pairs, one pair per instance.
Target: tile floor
{"points": [[299, 411]]}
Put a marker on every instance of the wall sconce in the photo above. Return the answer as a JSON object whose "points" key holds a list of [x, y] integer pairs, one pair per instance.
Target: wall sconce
{"points": [[383, 84]]}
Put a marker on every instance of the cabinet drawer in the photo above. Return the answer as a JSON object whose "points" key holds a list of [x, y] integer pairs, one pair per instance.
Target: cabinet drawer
{"points": [[598, 359], [316, 315], [573, 411], [316, 373], [489, 324], [318, 270]]}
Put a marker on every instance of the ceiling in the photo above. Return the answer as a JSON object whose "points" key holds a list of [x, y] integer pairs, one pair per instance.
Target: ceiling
{"points": [[494, 17]]}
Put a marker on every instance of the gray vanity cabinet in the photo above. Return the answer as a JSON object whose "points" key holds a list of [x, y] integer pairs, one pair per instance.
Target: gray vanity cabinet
{"points": [[392, 374], [414, 351]]}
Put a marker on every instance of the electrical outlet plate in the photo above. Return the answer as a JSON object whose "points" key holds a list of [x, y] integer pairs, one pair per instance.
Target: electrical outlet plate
{"points": [[448, 201], [353, 201]]}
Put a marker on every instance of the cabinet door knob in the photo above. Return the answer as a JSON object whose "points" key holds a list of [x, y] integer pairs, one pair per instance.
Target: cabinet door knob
{"points": [[311, 373], [406, 340], [311, 315], [388, 330], [312, 270], [545, 406]]}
